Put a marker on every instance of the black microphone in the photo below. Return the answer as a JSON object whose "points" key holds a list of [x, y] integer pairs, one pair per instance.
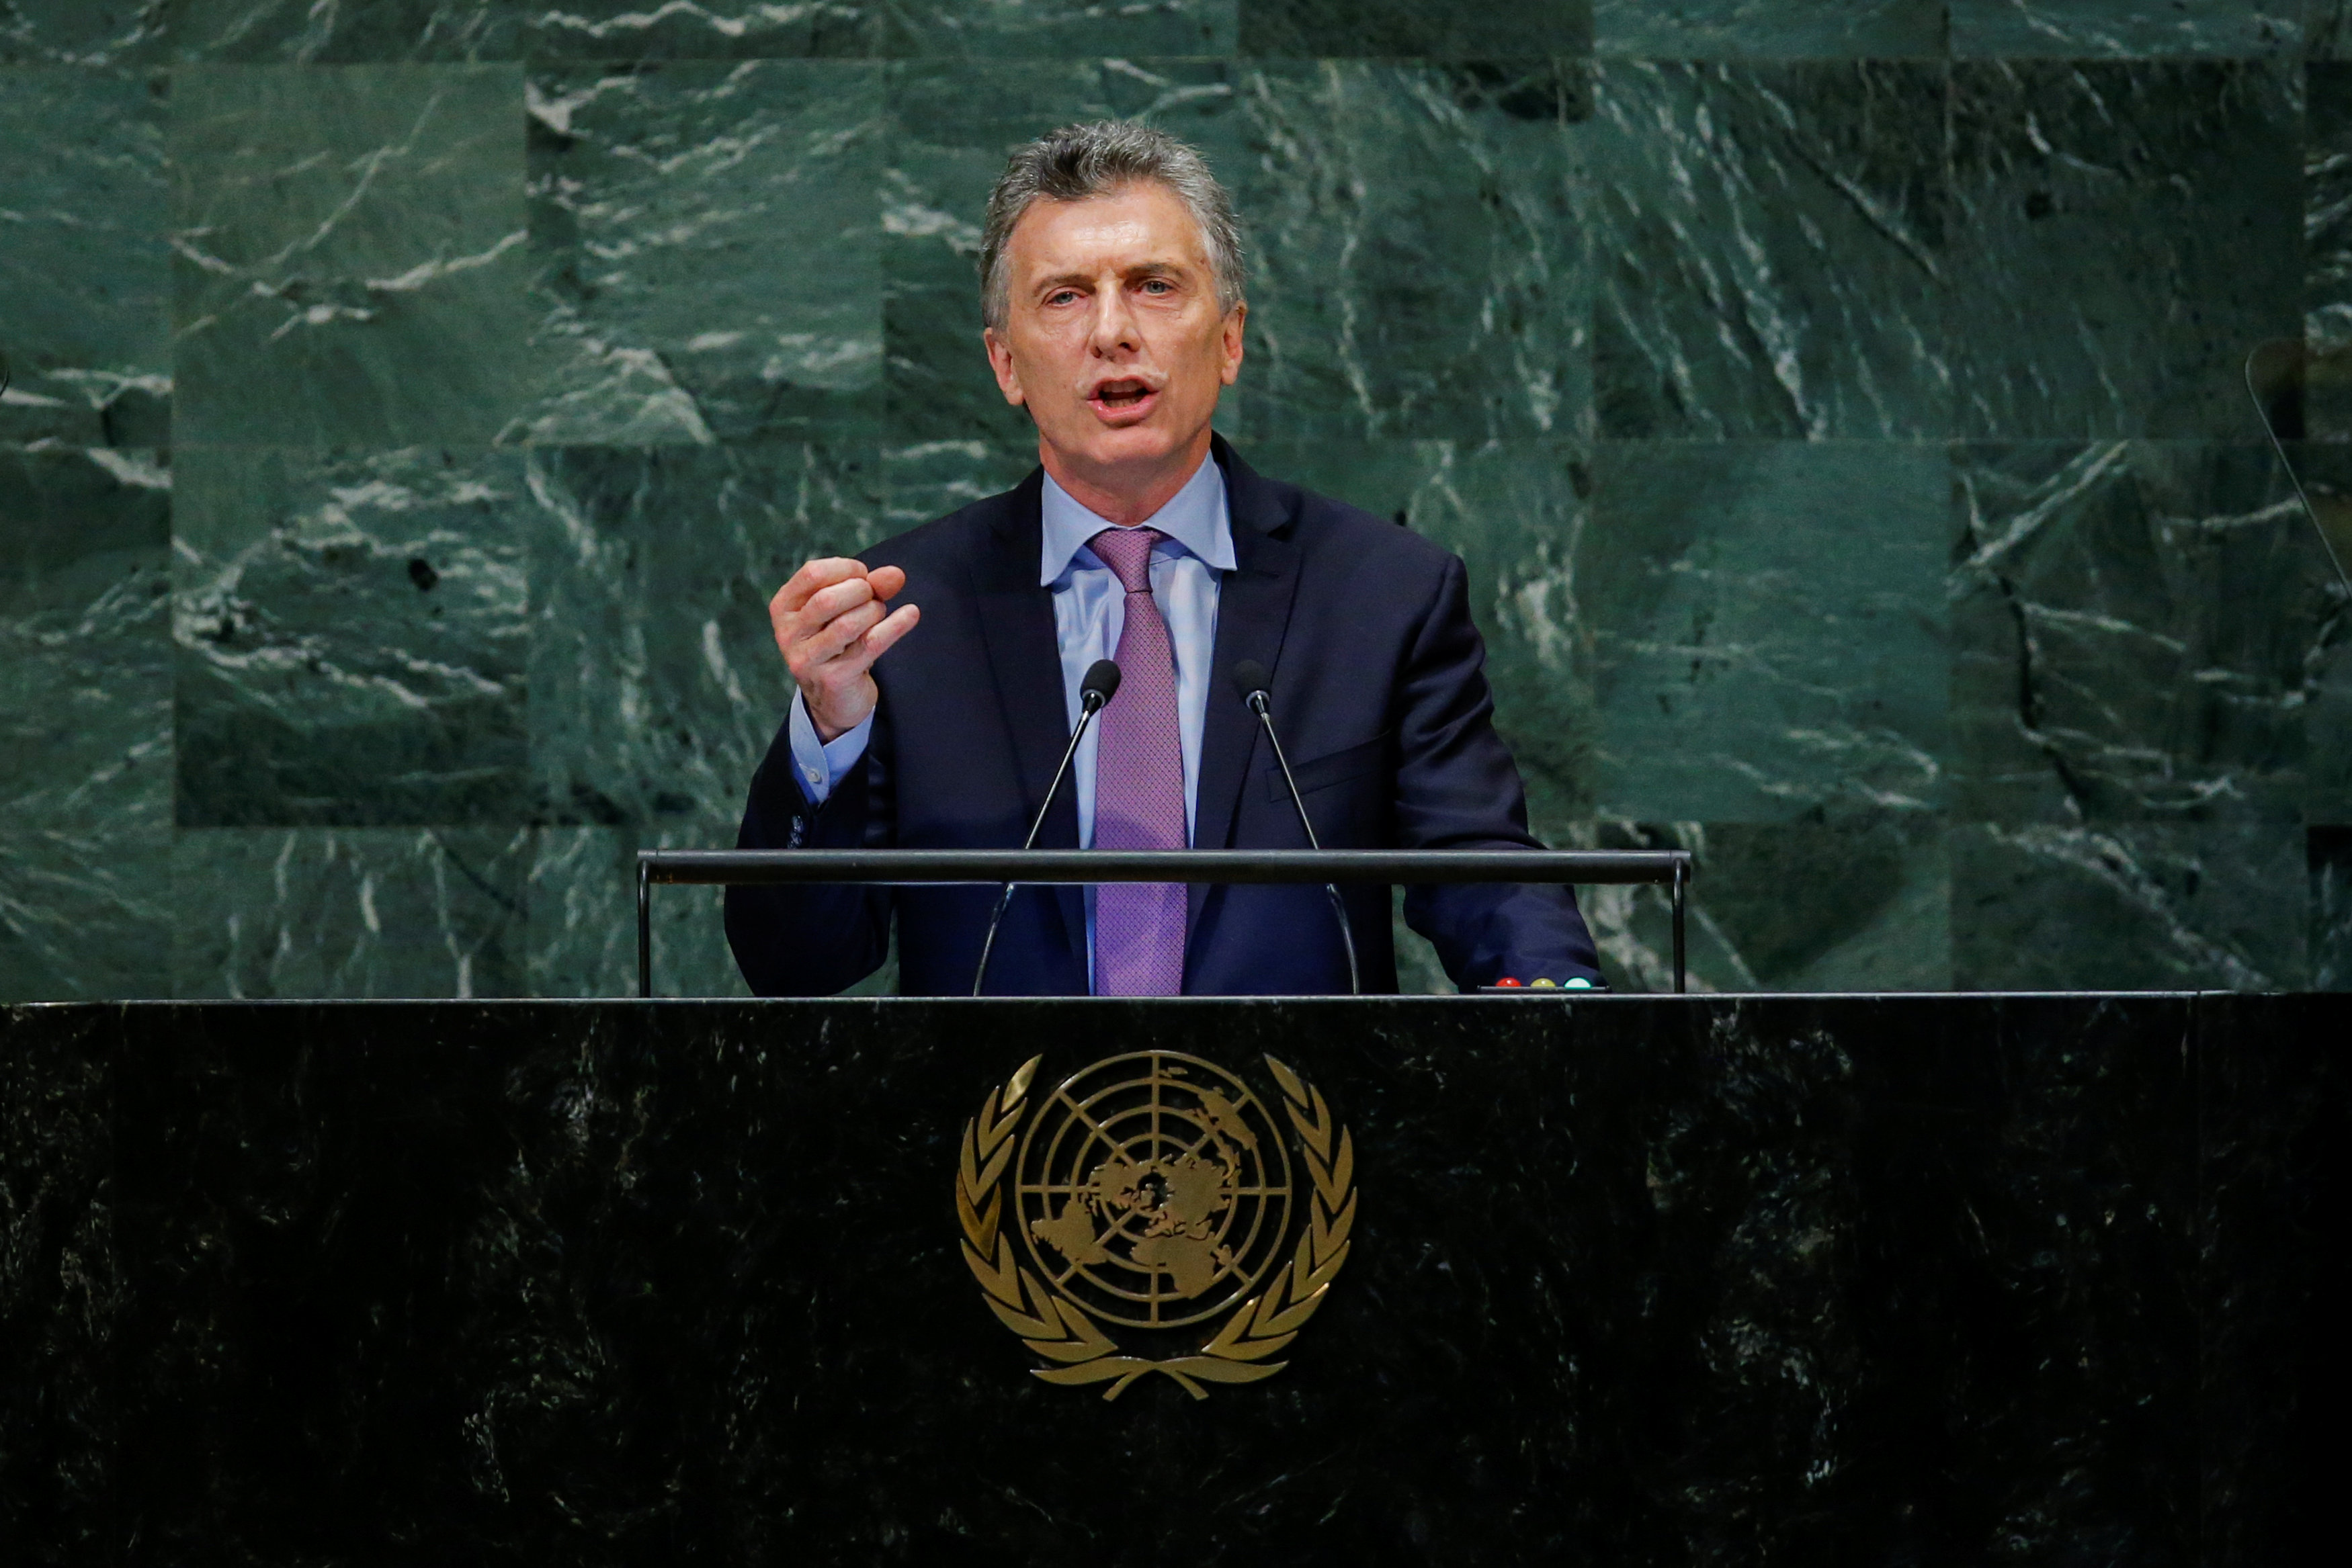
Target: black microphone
{"points": [[1095, 687], [1250, 682]]}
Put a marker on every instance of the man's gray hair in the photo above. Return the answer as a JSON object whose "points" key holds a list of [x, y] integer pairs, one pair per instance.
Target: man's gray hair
{"points": [[1098, 159]]}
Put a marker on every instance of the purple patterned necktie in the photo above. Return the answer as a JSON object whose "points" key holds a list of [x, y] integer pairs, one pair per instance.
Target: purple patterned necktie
{"points": [[1139, 787]]}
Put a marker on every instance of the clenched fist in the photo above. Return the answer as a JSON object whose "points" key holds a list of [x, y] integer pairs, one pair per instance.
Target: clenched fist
{"points": [[832, 621]]}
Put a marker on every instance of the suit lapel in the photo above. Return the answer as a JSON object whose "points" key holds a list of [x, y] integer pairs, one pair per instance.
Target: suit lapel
{"points": [[1254, 606], [1016, 627]]}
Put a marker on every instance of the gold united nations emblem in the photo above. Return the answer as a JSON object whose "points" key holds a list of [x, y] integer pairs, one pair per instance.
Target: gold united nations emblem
{"points": [[1154, 1195]]}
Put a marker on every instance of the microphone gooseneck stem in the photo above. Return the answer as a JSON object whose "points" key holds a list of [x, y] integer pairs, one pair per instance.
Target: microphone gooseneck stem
{"points": [[1091, 705], [1264, 710]]}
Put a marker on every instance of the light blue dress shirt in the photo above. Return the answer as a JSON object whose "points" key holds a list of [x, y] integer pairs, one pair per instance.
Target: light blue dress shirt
{"points": [[1089, 612]]}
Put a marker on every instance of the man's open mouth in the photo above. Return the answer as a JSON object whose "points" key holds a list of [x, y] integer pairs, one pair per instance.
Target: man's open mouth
{"points": [[1119, 396]]}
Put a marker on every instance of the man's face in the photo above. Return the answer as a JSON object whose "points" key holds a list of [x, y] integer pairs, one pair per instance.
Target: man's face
{"points": [[1112, 336]]}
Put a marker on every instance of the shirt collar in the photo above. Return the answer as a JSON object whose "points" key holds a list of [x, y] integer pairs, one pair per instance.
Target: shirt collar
{"points": [[1195, 517]]}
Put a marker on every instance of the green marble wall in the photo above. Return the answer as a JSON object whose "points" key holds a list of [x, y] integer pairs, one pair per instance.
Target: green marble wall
{"points": [[1837, 401]]}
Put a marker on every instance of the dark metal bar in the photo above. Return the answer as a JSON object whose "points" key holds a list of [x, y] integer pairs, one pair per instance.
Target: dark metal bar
{"points": [[645, 928], [738, 868], [1682, 879], [916, 868]]}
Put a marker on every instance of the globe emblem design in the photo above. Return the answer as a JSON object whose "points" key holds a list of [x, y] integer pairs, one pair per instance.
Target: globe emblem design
{"points": [[1153, 1189]]}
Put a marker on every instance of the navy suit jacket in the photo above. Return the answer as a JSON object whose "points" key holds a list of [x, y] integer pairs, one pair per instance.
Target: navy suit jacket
{"points": [[1380, 698]]}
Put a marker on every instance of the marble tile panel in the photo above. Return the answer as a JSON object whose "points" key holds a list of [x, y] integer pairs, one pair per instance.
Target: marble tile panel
{"points": [[583, 917], [303, 32], [2323, 473], [352, 639], [2326, 29], [2136, 628], [1418, 271], [349, 255], [583, 923], [951, 125], [2328, 224], [656, 686], [2134, 906], [85, 912], [79, 32], [377, 912], [1768, 29], [1858, 905], [162, 32], [695, 29], [2122, 232], [2330, 856], [1768, 626], [706, 239], [2123, 29], [1504, 29], [1771, 252], [85, 641], [2327, 732], [929, 479], [1812, 906], [84, 271], [1049, 29]]}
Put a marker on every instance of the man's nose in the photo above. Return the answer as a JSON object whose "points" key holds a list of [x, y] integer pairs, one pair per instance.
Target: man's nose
{"points": [[1115, 324]]}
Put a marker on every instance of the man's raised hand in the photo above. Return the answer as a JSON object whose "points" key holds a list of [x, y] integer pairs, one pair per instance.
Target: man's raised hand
{"points": [[832, 622]]}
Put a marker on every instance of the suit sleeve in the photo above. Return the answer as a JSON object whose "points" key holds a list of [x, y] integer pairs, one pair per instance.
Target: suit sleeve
{"points": [[1457, 788], [804, 939]]}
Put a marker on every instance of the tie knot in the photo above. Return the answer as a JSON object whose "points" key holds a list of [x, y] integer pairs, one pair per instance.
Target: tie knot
{"points": [[1127, 553]]}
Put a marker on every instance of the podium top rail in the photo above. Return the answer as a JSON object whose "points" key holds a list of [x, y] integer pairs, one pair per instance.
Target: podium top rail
{"points": [[916, 868], [739, 867]]}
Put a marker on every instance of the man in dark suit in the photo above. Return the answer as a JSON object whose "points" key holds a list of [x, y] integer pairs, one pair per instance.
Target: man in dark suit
{"points": [[1111, 286]]}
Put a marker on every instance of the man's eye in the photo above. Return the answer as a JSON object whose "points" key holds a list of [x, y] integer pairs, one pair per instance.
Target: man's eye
{"points": [[1157, 286], [1060, 296]]}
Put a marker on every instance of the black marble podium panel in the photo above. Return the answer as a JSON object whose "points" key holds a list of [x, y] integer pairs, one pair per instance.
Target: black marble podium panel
{"points": [[1917, 1280]]}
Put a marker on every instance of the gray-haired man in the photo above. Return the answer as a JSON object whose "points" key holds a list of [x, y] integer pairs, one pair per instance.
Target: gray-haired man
{"points": [[1111, 286]]}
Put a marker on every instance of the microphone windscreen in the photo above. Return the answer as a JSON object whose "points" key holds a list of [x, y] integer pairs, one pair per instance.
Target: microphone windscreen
{"points": [[1250, 679], [1101, 676]]}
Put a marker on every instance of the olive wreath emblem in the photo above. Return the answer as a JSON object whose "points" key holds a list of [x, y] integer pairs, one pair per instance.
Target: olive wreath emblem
{"points": [[1056, 1328]]}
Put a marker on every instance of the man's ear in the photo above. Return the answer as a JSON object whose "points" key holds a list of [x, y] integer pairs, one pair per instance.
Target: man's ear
{"points": [[1231, 371], [1000, 360]]}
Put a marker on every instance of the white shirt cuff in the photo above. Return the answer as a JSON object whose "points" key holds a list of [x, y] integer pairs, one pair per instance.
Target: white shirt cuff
{"points": [[822, 764]]}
